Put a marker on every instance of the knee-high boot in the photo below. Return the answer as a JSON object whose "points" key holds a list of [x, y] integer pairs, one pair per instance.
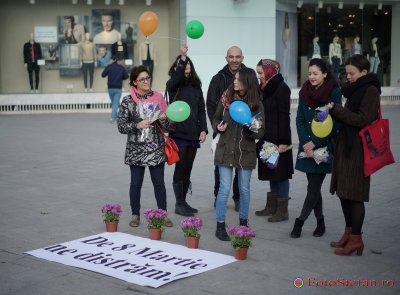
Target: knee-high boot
{"points": [[180, 207], [186, 185]]}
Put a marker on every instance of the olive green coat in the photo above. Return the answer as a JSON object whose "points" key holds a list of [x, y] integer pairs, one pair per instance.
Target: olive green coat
{"points": [[236, 149]]}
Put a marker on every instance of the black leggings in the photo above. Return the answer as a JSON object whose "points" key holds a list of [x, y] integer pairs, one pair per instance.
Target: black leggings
{"points": [[183, 168], [313, 200], [354, 213]]}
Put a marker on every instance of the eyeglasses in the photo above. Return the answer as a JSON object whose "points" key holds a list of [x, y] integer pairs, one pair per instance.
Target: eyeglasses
{"points": [[144, 79]]}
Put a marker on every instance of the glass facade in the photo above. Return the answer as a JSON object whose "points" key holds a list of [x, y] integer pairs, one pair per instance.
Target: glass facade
{"points": [[366, 31]]}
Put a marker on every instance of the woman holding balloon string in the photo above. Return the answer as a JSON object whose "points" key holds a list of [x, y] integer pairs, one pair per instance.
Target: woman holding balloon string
{"points": [[320, 89], [185, 86], [145, 143], [276, 102], [236, 147]]}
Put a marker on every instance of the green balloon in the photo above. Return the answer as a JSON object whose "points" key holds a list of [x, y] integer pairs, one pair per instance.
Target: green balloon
{"points": [[178, 111], [194, 29]]}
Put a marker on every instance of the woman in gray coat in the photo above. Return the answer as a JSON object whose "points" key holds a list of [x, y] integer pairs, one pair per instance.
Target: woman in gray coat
{"points": [[236, 147], [348, 181]]}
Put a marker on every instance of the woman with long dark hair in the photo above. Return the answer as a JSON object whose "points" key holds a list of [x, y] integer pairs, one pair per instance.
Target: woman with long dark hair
{"points": [[276, 102], [348, 182], [185, 85], [141, 153], [320, 89], [236, 147]]}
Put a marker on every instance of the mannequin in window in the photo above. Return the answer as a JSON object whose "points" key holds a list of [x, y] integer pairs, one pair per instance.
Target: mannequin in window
{"points": [[287, 44], [88, 61], [316, 49], [356, 47], [32, 52], [147, 56], [373, 56], [119, 49], [335, 56]]}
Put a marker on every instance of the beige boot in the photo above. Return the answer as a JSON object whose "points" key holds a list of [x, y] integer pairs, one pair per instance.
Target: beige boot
{"points": [[282, 211], [168, 222], [135, 221], [270, 206]]}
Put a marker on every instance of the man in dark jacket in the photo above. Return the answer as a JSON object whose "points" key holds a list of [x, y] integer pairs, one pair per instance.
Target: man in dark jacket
{"points": [[219, 83], [116, 74]]}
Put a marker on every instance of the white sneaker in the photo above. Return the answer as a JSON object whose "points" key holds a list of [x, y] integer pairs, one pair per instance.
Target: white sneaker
{"points": [[86, 90], [32, 92], [91, 90], [37, 91]]}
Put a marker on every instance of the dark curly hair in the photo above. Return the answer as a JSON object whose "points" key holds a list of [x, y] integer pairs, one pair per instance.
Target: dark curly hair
{"points": [[321, 64], [135, 72]]}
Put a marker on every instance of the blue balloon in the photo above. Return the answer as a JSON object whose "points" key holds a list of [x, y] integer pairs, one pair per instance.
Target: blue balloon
{"points": [[240, 112]]}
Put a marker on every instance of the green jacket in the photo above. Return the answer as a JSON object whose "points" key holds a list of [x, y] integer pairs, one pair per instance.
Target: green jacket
{"points": [[236, 149]]}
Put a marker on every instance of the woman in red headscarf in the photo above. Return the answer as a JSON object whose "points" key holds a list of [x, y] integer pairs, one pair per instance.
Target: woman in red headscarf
{"points": [[276, 101]]}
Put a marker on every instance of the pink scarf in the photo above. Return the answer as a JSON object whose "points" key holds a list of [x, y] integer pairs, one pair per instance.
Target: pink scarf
{"points": [[152, 96]]}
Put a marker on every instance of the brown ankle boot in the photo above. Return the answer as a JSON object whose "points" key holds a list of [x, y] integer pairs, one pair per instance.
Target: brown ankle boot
{"points": [[355, 243], [282, 212], [343, 241], [270, 206]]}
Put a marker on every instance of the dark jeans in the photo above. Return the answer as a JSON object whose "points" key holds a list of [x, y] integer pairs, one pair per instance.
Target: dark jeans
{"points": [[313, 199], [157, 177], [236, 193], [335, 66], [85, 68], [183, 168], [36, 78]]}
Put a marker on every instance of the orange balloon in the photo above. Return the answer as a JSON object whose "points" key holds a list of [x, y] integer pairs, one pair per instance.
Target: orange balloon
{"points": [[148, 23]]}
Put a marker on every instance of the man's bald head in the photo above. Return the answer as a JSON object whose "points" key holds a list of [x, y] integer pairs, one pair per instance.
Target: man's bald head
{"points": [[234, 58]]}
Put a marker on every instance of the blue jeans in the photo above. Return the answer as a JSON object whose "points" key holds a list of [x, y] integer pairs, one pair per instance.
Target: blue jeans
{"points": [[157, 177], [115, 96], [225, 178], [374, 61], [280, 187]]}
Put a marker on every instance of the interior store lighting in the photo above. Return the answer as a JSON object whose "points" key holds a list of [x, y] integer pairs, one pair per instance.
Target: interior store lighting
{"points": [[32, 2], [328, 9], [74, 2], [107, 2], [320, 4], [121, 2], [148, 2], [89, 2], [380, 6], [361, 5], [299, 3], [340, 5]]}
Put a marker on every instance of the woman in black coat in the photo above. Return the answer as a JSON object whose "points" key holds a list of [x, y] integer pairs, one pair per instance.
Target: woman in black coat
{"points": [[185, 85], [276, 101]]}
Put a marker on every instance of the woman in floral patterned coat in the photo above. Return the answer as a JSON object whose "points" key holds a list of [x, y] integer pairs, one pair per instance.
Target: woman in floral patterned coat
{"points": [[145, 143]]}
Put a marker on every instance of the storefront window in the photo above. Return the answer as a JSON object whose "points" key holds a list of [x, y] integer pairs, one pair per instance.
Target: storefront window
{"points": [[366, 31]]}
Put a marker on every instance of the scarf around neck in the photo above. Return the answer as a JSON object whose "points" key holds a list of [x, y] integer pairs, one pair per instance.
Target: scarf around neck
{"points": [[150, 96], [314, 97], [354, 92]]}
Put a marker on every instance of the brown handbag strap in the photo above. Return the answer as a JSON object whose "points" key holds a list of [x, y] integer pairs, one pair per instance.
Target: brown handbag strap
{"points": [[166, 93]]}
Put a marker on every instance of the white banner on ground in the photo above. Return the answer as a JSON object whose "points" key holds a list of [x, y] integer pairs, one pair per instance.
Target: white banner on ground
{"points": [[134, 259]]}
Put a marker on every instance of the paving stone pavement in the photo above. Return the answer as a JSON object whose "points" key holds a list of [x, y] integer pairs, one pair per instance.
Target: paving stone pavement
{"points": [[56, 171]]}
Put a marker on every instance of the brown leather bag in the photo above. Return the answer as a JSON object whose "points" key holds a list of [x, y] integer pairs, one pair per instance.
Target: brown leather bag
{"points": [[172, 125]]}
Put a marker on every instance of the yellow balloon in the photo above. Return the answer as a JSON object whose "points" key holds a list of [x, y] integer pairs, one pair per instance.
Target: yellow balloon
{"points": [[322, 129]]}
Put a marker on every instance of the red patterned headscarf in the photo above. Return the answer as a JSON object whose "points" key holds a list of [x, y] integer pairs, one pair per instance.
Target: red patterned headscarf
{"points": [[270, 67]]}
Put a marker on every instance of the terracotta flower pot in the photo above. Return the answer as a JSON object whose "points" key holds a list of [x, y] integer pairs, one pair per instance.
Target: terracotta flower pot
{"points": [[192, 242], [155, 233], [111, 226], [240, 254]]}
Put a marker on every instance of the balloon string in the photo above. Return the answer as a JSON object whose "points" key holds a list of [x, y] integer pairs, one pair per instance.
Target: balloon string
{"points": [[165, 37], [240, 149]]}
